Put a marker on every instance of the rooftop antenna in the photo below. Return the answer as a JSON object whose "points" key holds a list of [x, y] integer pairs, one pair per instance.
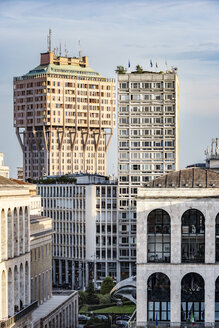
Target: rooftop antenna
{"points": [[66, 51], [49, 40], [79, 49], [60, 49]]}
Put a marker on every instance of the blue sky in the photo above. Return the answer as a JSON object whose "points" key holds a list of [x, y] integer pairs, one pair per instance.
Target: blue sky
{"points": [[185, 33]]}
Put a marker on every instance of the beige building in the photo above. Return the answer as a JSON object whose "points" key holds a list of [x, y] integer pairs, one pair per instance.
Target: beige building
{"points": [[41, 258], [15, 304], [147, 146], [64, 117]]}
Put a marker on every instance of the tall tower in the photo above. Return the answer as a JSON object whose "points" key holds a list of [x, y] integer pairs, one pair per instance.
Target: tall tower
{"points": [[147, 146], [64, 115]]}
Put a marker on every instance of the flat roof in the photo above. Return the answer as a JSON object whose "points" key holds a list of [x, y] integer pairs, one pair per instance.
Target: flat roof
{"points": [[49, 306]]}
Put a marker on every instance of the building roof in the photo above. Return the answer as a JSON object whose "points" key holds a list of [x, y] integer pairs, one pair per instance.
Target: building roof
{"points": [[7, 182], [187, 178]]}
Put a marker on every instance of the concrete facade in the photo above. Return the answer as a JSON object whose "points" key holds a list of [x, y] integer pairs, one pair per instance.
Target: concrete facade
{"points": [[84, 217], [64, 115], [147, 146], [191, 194], [16, 307]]}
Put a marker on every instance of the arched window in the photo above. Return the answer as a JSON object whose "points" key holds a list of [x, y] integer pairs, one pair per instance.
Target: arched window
{"points": [[158, 236], [21, 232], [217, 238], [158, 293], [21, 295], [193, 236], [10, 294], [217, 299], [192, 297], [16, 230], [3, 298], [27, 284], [3, 236], [10, 237], [16, 290], [26, 230]]}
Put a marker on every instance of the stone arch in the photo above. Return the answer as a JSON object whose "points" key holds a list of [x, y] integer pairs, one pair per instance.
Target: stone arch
{"points": [[21, 231], [27, 284], [159, 236], [22, 287], [193, 236], [10, 293], [4, 295], [26, 229], [192, 297], [16, 233], [3, 236], [158, 296], [217, 299], [16, 289], [10, 234]]}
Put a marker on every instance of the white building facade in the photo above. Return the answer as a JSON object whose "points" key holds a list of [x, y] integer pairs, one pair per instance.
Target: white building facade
{"points": [[84, 214], [15, 309], [147, 146], [177, 249]]}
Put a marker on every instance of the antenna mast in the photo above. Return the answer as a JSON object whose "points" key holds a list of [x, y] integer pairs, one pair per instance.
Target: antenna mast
{"points": [[49, 40], [79, 49]]}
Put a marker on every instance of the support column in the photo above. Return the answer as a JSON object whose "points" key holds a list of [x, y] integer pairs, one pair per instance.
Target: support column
{"points": [[80, 274], [141, 289], [53, 271], [66, 271], [175, 299], [60, 272], [209, 297], [95, 274], [86, 274], [118, 272], [73, 275]]}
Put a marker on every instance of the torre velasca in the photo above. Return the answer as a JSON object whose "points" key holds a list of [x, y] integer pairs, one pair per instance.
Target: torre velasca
{"points": [[64, 115]]}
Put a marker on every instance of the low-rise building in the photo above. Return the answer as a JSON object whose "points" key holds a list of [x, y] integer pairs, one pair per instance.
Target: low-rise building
{"points": [[84, 212], [15, 304], [178, 249]]}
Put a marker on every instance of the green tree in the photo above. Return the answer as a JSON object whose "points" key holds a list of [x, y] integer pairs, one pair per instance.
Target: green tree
{"points": [[120, 69], [106, 286], [91, 296], [139, 69]]}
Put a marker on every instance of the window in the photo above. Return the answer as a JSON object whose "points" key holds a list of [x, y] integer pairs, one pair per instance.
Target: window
{"points": [[193, 237], [192, 297], [158, 236], [217, 238], [158, 294]]}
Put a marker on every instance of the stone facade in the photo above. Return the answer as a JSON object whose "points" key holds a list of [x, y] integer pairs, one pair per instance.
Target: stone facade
{"points": [[198, 191]]}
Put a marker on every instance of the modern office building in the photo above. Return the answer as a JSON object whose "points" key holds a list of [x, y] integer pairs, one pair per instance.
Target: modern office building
{"points": [[177, 249], [147, 146], [64, 115], [84, 213]]}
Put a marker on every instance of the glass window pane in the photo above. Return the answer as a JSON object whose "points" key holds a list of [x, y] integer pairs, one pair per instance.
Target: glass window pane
{"points": [[164, 306], [150, 306], [150, 315], [196, 316], [216, 306], [196, 306], [163, 315], [157, 306]]}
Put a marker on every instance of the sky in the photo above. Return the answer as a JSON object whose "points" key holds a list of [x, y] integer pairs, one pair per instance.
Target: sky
{"points": [[185, 33]]}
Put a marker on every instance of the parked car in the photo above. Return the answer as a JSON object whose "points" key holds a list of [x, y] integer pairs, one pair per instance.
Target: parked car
{"points": [[121, 324], [101, 317], [82, 318], [125, 317]]}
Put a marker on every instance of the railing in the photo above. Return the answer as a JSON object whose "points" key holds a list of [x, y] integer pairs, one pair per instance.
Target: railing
{"points": [[8, 322]]}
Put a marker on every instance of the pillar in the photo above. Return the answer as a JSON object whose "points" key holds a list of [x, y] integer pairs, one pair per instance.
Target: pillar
{"points": [[175, 299], [60, 272], [54, 271], [73, 275], [209, 296], [66, 271], [86, 274], [95, 274]]}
